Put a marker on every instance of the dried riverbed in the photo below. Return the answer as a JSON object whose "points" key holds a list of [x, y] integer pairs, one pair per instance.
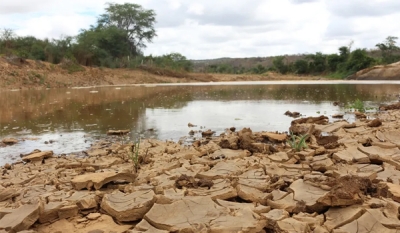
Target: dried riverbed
{"points": [[347, 180]]}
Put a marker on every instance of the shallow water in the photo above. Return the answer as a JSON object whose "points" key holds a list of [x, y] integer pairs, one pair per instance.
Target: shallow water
{"points": [[73, 118]]}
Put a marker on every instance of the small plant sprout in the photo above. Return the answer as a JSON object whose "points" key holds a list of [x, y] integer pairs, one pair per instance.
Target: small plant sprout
{"points": [[298, 143], [134, 155], [357, 105]]}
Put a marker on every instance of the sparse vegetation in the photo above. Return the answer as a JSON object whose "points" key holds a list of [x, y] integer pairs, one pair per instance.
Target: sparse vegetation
{"points": [[134, 155], [298, 143], [357, 105]]}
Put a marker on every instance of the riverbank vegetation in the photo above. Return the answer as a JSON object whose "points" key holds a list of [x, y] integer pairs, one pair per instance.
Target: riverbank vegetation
{"points": [[115, 41], [120, 34]]}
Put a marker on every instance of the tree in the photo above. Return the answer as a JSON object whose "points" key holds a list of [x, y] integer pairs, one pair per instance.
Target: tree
{"points": [[6, 37], [300, 66], [388, 48], [280, 65], [137, 22], [344, 53], [318, 62], [359, 60]]}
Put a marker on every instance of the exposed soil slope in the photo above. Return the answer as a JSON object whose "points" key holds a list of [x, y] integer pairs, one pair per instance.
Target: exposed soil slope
{"points": [[25, 74], [387, 72]]}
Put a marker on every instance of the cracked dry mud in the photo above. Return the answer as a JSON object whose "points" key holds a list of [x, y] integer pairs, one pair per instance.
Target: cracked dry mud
{"points": [[240, 181]]}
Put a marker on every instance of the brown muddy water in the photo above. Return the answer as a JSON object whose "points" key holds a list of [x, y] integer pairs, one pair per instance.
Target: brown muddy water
{"points": [[69, 120]]}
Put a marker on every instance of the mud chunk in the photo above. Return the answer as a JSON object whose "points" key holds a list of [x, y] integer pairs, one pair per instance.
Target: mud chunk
{"points": [[8, 193], [128, 207], [389, 107], [360, 115], [97, 180], [190, 182], [50, 212], [275, 137], [38, 156], [68, 211], [220, 170], [10, 141], [347, 190], [247, 141], [93, 216], [390, 190], [375, 123], [118, 132], [321, 120], [221, 189], [308, 194], [337, 116], [327, 140], [20, 219], [191, 125], [292, 225], [230, 142], [364, 224], [207, 133], [185, 181], [337, 217], [253, 195], [292, 114], [202, 214], [274, 216], [145, 226], [351, 155]]}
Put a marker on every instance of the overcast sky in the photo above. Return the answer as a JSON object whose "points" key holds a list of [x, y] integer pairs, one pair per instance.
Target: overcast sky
{"points": [[224, 28]]}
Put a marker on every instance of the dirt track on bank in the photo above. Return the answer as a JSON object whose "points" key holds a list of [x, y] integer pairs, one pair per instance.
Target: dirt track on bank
{"points": [[29, 74]]}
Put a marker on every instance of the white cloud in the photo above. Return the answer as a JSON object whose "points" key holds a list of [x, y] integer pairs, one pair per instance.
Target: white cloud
{"points": [[196, 9], [224, 28]]}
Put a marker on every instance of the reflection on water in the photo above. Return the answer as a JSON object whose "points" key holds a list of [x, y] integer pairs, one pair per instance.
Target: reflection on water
{"points": [[71, 117]]}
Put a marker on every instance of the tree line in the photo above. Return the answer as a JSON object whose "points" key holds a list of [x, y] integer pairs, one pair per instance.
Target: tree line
{"points": [[337, 65], [344, 63], [115, 41]]}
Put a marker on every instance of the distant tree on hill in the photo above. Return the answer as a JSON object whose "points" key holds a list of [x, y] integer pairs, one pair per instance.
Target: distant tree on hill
{"points": [[359, 60], [279, 65], [7, 36], [300, 66], [388, 49], [137, 22]]}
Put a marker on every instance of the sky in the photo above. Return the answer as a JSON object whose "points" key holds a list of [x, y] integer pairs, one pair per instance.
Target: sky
{"points": [[223, 28]]}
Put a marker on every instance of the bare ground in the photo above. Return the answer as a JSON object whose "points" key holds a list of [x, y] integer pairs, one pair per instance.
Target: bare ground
{"points": [[29, 74]]}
